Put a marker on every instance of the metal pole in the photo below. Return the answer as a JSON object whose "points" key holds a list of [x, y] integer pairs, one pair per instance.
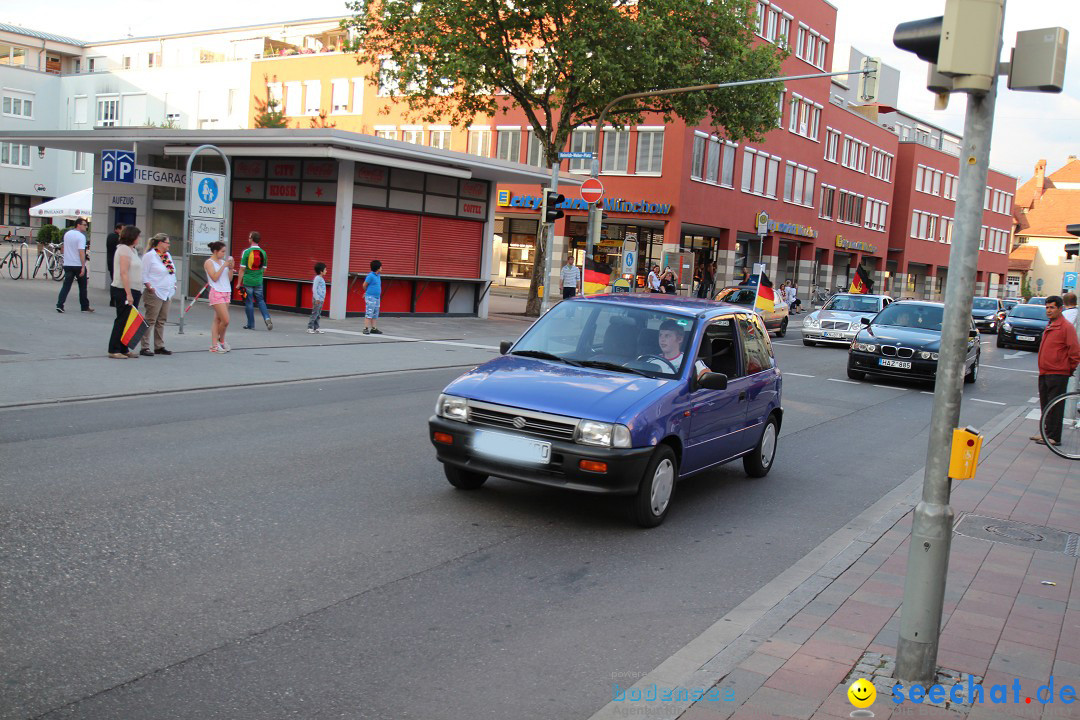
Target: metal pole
{"points": [[549, 242], [931, 531], [227, 190]]}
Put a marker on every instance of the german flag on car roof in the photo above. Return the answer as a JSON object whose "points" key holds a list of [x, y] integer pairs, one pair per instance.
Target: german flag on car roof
{"points": [[861, 283], [766, 297]]}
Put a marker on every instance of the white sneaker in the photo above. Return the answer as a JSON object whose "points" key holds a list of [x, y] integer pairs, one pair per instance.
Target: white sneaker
{"points": [[225, 347], [216, 349], [320, 331], [310, 331]]}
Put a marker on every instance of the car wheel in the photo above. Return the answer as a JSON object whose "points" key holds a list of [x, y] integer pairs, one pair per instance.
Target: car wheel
{"points": [[1000, 344], [654, 494], [760, 460], [809, 343], [464, 479], [973, 374], [783, 329], [856, 374]]}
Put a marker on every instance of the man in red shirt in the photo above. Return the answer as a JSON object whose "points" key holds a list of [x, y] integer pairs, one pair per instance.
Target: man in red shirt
{"points": [[1059, 354]]}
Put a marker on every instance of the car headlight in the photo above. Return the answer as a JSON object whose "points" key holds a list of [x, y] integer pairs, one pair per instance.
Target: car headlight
{"points": [[1006, 327], [866, 347], [933, 356], [810, 321], [924, 355], [591, 432], [452, 408]]}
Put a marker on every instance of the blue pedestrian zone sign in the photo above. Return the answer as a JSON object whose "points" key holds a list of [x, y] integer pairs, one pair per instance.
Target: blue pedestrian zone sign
{"points": [[208, 190]]}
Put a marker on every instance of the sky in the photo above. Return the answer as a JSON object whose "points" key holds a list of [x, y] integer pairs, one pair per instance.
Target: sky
{"points": [[1028, 126]]}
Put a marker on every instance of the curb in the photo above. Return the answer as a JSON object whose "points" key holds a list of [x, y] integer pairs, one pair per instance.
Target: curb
{"points": [[713, 654]]}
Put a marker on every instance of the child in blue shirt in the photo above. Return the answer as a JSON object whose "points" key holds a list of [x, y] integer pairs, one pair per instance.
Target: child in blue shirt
{"points": [[318, 295], [372, 296]]}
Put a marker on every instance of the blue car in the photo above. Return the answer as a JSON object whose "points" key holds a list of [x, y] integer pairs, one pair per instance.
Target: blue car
{"points": [[619, 395]]}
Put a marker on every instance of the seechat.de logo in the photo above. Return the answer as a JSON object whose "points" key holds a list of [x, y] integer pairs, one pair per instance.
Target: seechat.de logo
{"points": [[118, 166]]}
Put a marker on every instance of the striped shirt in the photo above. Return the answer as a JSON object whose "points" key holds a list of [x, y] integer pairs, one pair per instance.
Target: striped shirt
{"points": [[571, 276]]}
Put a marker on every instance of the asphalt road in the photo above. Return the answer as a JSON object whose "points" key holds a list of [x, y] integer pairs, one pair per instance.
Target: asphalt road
{"points": [[294, 551]]}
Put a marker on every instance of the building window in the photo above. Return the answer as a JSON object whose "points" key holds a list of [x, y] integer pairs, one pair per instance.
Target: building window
{"points": [[80, 162], [12, 155], [712, 165], [783, 33], [154, 59], [923, 225], [18, 104], [811, 46], [91, 65], [537, 156], [125, 63], [760, 171], [312, 97], [480, 142], [799, 184], [414, 135], [293, 98], [80, 111], [508, 144], [805, 117], [616, 157], [828, 196], [19, 210], [832, 144], [945, 230], [650, 151], [928, 180], [697, 165], [386, 133], [881, 164], [875, 214], [727, 171], [339, 96], [387, 77], [440, 138], [357, 95], [108, 111], [172, 119], [581, 141], [850, 208], [854, 154]]}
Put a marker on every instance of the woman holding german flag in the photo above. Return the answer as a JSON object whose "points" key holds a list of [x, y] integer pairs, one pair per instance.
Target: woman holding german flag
{"points": [[127, 275]]}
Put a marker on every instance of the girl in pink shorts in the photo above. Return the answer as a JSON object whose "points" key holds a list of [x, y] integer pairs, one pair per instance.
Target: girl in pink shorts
{"points": [[219, 272]]}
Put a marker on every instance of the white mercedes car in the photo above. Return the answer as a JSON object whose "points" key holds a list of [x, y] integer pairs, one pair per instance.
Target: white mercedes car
{"points": [[841, 318]]}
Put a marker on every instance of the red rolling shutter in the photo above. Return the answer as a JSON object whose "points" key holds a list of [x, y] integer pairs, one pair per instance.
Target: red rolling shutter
{"points": [[295, 237], [384, 235], [450, 247]]}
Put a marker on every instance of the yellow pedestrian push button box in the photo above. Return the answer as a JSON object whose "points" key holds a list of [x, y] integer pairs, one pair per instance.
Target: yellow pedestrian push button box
{"points": [[966, 444]]}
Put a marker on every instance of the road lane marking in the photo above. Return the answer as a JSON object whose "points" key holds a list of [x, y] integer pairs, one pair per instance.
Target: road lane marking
{"points": [[998, 367], [1033, 400], [927, 392], [415, 340], [888, 387], [1018, 353], [991, 402], [1034, 414], [798, 374], [849, 382]]}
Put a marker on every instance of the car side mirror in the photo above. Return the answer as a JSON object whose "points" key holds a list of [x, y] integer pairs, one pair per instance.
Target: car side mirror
{"points": [[864, 320], [973, 333], [713, 381], [504, 346]]}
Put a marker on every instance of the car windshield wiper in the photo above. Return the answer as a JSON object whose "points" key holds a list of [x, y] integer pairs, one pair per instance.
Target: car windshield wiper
{"points": [[612, 366], [542, 355]]}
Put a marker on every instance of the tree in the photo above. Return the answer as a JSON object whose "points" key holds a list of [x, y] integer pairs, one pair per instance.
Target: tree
{"points": [[268, 112], [1025, 291], [319, 121], [562, 61]]}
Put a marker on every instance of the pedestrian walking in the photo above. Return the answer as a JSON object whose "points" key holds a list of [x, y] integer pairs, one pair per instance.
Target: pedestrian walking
{"points": [[318, 295], [1059, 355], [159, 277], [571, 278], [372, 298], [653, 280], [252, 266], [793, 300], [1069, 313], [708, 279], [219, 274], [111, 241], [125, 289], [75, 266]]}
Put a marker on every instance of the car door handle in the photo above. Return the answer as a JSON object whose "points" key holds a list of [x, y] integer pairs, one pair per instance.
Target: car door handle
{"points": [[742, 396]]}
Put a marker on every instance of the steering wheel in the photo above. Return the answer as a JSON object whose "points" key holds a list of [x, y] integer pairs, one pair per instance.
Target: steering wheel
{"points": [[657, 357]]}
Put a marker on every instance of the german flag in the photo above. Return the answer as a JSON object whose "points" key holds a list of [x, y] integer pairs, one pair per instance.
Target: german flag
{"points": [[861, 283], [133, 328], [766, 297], [597, 277]]}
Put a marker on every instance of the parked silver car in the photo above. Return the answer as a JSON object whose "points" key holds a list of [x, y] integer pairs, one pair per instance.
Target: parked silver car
{"points": [[841, 318], [746, 295]]}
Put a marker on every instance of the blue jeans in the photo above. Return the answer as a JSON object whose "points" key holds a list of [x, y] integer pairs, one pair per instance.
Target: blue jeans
{"points": [[255, 294]]}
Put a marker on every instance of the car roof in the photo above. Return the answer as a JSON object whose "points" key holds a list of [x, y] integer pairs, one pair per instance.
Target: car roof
{"points": [[873, 295], [919, 303], [675, 304], [983, 297]]}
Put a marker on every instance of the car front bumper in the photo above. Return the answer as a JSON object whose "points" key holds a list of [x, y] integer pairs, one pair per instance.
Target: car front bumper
{"points": [[843, 337], [867, 363], [1012, 338], [988, 325], [625, 467]]}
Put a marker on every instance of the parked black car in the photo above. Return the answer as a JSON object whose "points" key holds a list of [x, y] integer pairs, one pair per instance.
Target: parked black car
{"points": [[987, 312], [903, 341], [1023, 327]]}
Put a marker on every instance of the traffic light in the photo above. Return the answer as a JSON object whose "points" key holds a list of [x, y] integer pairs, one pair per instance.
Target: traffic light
{"points": [[868, 81], [961, 45], [552, 211], [1071, 250]]}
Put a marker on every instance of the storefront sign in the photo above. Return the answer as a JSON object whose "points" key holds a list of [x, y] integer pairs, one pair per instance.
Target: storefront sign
{"points": [[844, 244], [283, 191], [472, 209], [284, 170], [792, 229], [532, 202], [249, 168], [122, 201], [371, 174], [474, 189]]}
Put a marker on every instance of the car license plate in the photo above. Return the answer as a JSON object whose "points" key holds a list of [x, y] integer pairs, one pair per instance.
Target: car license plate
{"points": [[511, 447], [1026, 338], [902, 364], [833, 334]]}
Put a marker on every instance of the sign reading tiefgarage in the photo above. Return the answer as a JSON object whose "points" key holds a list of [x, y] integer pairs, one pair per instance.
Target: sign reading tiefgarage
{"points": [[119, 166], [844, 244], [532, 202], [206, 201]]}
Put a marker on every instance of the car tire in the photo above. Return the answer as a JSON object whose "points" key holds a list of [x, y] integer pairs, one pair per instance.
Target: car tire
{"points": [[653, 499], [783, 329], [760, 460], [1000, 344], [973, 374], [856, 374], [809, 343], [464, 479]]}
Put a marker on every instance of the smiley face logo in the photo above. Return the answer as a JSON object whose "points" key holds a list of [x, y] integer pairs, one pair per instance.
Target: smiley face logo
{"points": [[862, 693]]}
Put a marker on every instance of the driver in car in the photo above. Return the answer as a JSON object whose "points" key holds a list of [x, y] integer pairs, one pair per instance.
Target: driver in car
{"points": [[671, 348]]}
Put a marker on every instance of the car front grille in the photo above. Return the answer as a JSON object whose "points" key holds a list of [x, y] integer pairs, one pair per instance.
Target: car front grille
{"points": [[891, 351], [835, 325], [529, 422]]}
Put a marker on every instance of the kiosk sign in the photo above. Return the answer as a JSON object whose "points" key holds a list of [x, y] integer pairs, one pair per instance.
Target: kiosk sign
{"points": [[206, 200]]}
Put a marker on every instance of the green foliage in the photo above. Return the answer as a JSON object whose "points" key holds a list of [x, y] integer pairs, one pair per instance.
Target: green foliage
{"points": [[48, 234], [1025, 289], [268, 112]]}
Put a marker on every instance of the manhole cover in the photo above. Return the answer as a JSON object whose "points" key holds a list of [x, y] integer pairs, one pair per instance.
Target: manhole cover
{"points": [[994, 529]]}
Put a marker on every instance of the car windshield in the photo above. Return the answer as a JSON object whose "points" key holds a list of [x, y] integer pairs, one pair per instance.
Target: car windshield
{"points": [[738, 296], [984, 304], [1009, 304], [1029, 312], [925, 317], [1037, 301], [853, 303], [615, 337]]}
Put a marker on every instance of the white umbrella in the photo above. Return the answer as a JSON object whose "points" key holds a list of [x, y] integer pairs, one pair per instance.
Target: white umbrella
{"points": [[77, 204]]}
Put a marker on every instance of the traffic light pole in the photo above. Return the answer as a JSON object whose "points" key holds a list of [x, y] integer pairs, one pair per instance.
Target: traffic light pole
{"points": [[932, 523], [549, 242]]}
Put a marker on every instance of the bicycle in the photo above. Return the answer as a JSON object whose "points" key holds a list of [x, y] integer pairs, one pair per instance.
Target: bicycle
{"points": [[1067, 407], [14, 262], [51, 259]]}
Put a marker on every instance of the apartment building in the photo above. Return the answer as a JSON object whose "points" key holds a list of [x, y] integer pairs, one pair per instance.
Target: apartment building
{"points": [[1044, 207]]}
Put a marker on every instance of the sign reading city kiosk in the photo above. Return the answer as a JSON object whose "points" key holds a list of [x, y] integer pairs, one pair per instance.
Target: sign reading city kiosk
{"points": [[206, 198]]}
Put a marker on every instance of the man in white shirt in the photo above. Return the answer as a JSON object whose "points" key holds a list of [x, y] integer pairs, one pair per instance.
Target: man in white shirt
{"points": [[159, 277], [571, 278], [75, 266]]}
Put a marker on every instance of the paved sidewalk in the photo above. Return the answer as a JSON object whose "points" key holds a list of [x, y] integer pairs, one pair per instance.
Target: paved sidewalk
{"points": [[1012, 610]]}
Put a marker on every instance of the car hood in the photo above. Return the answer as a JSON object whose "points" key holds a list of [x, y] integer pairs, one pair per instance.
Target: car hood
{"points": [[1027, 323], [847, 315], [910, 337], [552, 387], [979, 314]]}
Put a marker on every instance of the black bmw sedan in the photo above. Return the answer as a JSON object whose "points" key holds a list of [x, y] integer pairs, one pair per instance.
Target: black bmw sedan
{"points": [[903, 341], [1023, 327]]}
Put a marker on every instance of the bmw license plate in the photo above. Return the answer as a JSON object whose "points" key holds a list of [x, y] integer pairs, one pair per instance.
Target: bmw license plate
{"points": [[1026, 338], [511, 447], [832, 334], [901, 364]]}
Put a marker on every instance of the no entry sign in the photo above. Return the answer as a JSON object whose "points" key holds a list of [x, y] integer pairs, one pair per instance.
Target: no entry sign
{"points": [[592, 190]]}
